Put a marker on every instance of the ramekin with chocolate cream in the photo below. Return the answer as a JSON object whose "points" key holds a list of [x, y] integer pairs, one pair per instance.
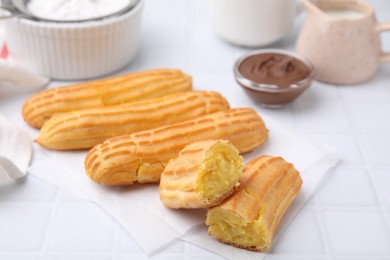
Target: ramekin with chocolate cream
{"points": [[273, 77]]}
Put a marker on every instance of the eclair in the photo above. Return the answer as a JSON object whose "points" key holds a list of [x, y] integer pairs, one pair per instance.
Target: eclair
{"points": [[131, 87], [201, 175], [249, 218], [142, 156], [85, 128]]}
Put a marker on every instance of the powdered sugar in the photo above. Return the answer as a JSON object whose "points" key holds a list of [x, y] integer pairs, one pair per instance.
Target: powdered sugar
{"points": [[66, 10]]}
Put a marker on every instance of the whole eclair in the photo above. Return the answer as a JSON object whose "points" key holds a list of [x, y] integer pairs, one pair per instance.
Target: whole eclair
{"points": [[85, 128], [104, 92], [142, 156]]}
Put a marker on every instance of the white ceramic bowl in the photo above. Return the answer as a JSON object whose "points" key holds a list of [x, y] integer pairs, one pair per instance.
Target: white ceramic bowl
{"points": [[74, 51]]}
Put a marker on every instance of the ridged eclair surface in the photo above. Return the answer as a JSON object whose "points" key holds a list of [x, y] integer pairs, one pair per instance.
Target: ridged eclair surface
{"points": [[85, 128], [104, 92], [201, 175], [142, 156], [249, 218]]}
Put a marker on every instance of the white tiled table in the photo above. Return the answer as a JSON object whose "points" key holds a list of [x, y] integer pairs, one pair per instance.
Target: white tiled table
{"points": [[348, 217]]}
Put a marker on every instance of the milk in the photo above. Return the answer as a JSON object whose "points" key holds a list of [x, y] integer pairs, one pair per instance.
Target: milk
{"points": [[344, 14], [253, 23]]}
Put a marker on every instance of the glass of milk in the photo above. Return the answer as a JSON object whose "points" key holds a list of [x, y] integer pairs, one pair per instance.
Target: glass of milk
{"points": [[253, 23]]}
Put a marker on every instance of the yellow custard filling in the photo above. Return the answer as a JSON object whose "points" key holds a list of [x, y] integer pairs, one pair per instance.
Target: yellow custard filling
{"points": [[220, 171], [230, 227]]}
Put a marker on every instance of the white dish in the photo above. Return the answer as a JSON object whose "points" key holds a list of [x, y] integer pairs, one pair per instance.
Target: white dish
{"points": [[73, 51]]}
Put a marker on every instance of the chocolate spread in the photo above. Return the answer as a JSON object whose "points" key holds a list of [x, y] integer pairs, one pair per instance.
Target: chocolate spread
{"points": [[273, 68]]}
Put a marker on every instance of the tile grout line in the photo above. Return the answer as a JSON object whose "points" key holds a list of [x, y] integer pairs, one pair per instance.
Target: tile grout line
{"points": [[323, 231], [317, 210], [116, 241], [376, 189], [343, 208], [188, 33], [295, 116], [50, 224], [366, 165]]}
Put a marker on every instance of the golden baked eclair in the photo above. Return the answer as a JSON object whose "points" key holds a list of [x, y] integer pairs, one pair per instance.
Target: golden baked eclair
{"points": [[201, 175], [249, 218], [142, 156], [87, 127], [104, 92]]}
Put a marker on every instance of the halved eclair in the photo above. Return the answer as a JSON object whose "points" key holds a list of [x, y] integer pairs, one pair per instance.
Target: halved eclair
{"points": [[201, 175], [249, 218]]}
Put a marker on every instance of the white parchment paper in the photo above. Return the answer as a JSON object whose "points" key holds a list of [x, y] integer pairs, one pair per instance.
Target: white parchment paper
{"points": [[153, 226]]}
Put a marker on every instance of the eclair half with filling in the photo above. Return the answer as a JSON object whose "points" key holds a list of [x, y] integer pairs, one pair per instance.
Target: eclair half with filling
{"points": [[201, 175], [249, 218]]}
